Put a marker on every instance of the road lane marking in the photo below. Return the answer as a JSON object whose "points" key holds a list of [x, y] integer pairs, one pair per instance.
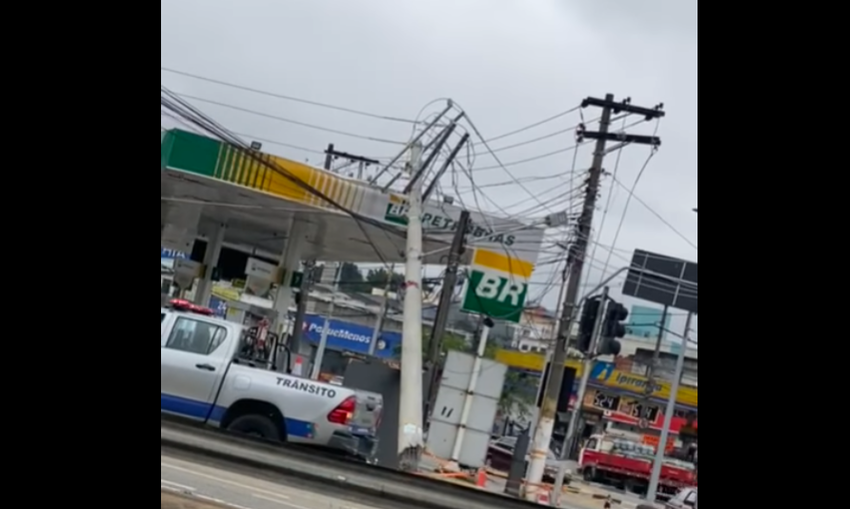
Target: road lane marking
{"points": [[245, 487], [175, 485], [278, 501], [220, 502]]}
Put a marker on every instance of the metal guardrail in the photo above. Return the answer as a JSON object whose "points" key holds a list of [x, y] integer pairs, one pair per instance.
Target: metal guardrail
{"points": [[329, 471]]}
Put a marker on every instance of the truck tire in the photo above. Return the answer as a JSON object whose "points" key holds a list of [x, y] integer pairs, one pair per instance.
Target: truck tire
{"points": [[258, 426]]}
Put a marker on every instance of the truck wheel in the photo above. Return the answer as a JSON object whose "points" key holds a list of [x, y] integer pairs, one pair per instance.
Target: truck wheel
{"points": [[258, 426], [589, 475]]}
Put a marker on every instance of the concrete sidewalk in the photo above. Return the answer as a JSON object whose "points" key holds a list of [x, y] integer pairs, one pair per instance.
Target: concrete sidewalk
{"points": [[579, 495]]}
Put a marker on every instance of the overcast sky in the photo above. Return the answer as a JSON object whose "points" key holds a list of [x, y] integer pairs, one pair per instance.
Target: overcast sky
{"points": [[507, 63]]}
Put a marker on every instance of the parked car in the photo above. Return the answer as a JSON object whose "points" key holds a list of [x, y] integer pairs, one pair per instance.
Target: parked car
{"points": [[501, 453], [686, 499]]}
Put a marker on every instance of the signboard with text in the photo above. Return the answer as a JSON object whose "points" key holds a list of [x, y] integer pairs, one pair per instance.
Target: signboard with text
{"points": [[495, 295], [498, 286], [170, 254], [350, 337]]}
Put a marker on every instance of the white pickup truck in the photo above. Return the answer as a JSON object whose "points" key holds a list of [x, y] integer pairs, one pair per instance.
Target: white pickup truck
{"points": [[203, 378]]}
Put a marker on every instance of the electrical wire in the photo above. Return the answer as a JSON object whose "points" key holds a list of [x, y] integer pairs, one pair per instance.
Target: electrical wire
{"points": [[608, 203], [289, 98], [652, 153], [536, 124], [368, 114], [182, 109], [493, 154], [536, 140], [549, 284], [291, 121], [511, 164], [657, 214]]}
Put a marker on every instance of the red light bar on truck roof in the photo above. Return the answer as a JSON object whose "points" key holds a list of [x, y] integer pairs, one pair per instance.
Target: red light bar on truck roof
{"points": [[188, 307]]}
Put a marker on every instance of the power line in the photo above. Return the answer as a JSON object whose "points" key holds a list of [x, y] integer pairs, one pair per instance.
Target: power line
{"points": [[536, 140], [181, 108], [368, 114], [503, 166], [513, 177], [653, 151], [608, 208], [657, 214], [290, 121], [536, 124], [289, 98], [573, 148]]}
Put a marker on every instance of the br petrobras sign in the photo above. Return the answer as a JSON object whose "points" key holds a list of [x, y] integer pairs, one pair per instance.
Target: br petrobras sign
{"points": [[170, 254], [345, 336]]}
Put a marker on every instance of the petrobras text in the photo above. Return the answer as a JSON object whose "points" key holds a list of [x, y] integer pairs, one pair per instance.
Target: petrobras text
{"points": [[343, 334]]}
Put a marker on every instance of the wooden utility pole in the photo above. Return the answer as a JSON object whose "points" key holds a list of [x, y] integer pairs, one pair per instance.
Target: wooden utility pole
{"points": [[577, 254]]}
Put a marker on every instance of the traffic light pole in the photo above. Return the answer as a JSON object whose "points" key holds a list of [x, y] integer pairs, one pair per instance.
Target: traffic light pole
{"points": [[587, 368], [661, 452]]}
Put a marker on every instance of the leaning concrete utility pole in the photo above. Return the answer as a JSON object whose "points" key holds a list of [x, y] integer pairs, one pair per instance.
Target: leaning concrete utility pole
{"points": [[411, 440]]}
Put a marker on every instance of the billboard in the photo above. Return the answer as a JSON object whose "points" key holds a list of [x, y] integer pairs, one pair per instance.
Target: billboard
{"points": [[350, 337], [663, 280], [643, 322]]}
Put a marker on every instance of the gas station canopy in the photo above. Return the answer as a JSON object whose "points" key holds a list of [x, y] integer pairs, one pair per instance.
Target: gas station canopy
{"points": [[205, 183]]}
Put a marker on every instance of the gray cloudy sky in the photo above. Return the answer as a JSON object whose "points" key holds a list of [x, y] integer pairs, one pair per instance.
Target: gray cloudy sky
{"points": [[508, 64]]}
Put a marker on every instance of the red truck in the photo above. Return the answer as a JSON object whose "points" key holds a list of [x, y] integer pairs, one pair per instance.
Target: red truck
{"points": [[627, 465]]}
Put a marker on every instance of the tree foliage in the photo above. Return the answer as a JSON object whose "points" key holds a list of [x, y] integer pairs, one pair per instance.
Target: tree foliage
{"points": [[378, 279], [352, 279]]}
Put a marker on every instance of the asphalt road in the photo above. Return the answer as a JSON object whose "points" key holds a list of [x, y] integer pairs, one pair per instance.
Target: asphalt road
{"points": [[246, 490], [209, 476], [242, 491]]}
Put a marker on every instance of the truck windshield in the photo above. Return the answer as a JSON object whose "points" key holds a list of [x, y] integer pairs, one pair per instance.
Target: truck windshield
{"points": [[190, 335]]}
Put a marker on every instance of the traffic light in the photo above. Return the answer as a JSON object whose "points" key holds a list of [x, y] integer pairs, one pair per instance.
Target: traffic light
{"points": [[588, 323], [613, 329]]}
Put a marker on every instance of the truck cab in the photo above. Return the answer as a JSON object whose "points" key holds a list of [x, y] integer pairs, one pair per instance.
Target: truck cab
{"points": [[206, 377], [621, 461]]}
